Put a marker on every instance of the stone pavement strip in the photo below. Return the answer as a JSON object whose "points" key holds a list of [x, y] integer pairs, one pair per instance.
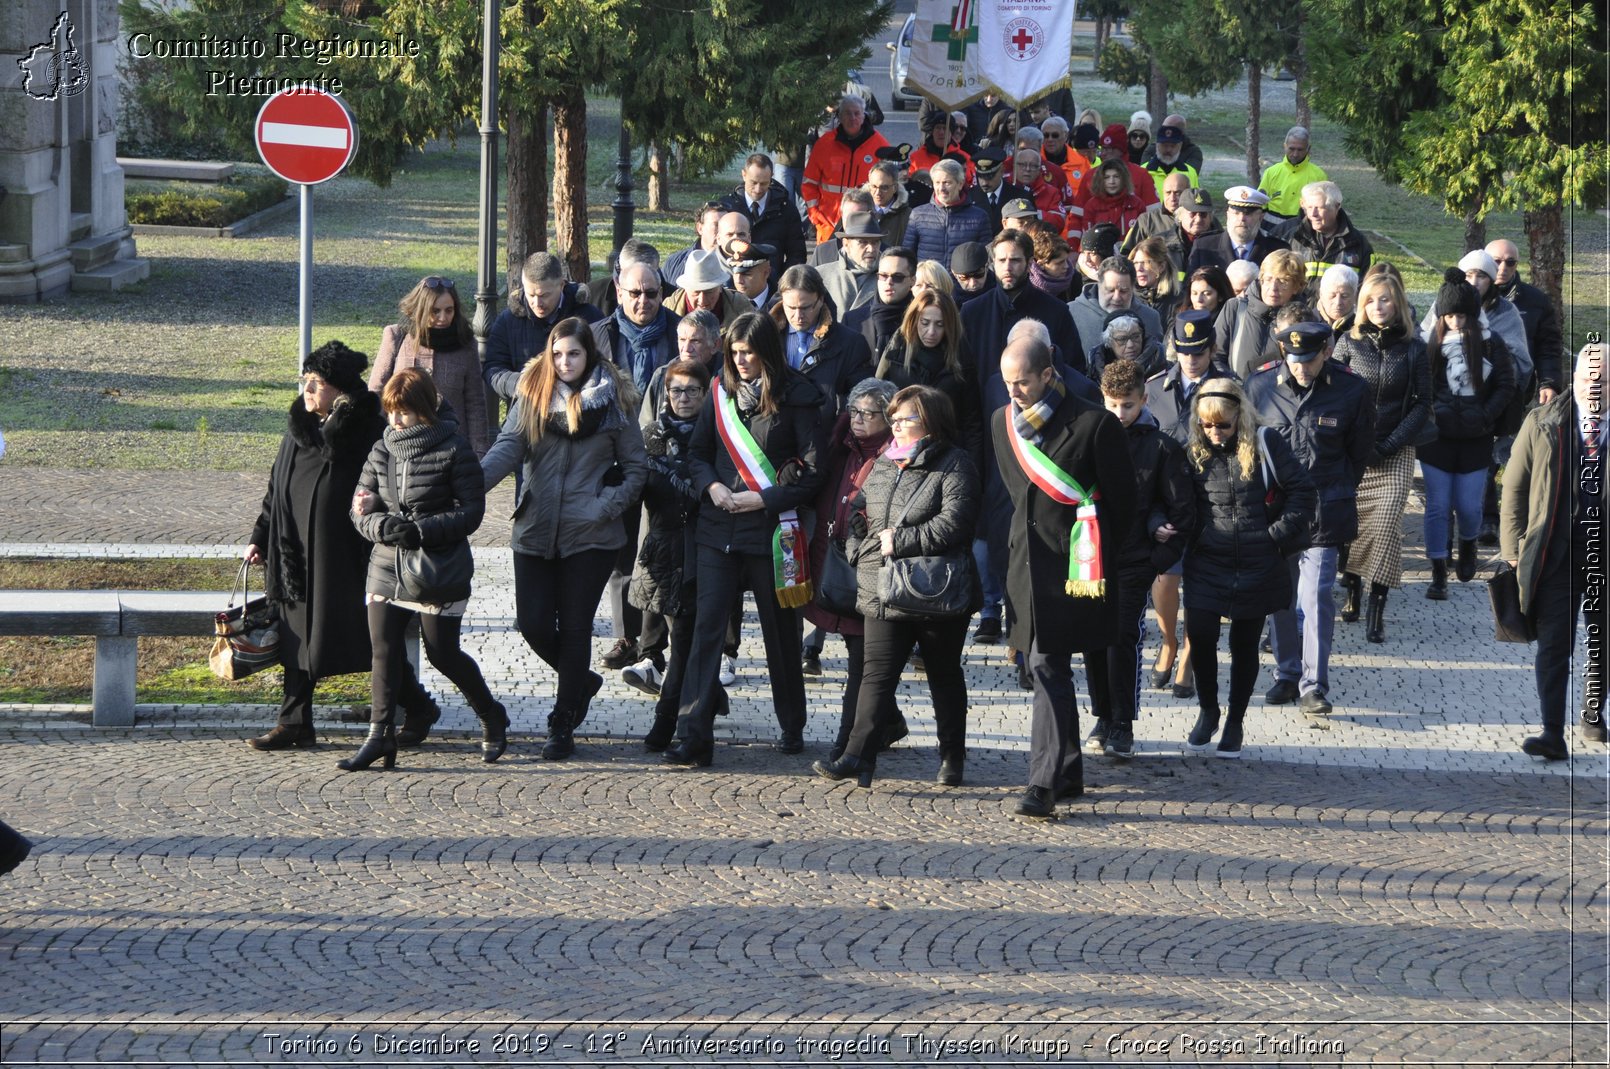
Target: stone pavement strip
{"points": [[1404, 888]]}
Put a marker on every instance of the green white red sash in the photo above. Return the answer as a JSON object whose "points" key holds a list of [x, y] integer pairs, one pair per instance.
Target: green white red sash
{"points": [[789, 554], [1085, 577]]}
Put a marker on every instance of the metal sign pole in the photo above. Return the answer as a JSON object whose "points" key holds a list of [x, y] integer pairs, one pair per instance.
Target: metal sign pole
{"points": [[305, 286]]}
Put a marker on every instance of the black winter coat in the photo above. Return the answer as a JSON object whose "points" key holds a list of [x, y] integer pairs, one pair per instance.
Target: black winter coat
{"points": [[443, 495], [1466, 425], [1331, 429], [1244, 334], [662, 582], [779, 225], [931, 502], [315, 556], [1347, 245], [1235, 566], [928, 369], [1165, 395], [1542, 334], [838, 358], [1087, 442], [791, 438], [517, 335], [1165, 496], [1394, 369]]}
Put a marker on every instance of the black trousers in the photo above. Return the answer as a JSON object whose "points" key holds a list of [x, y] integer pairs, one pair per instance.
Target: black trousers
{"points": [[626, 618], [296, 706], [1202, 629], [887, 645], [722, 577], [1054, 724], [669, 705], [1114, 673], [1559, 598], [555, 599], [390, 667]]}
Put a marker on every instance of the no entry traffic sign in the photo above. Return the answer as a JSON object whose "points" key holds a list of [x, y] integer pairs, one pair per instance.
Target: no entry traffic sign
{"points": [[306, 135]]}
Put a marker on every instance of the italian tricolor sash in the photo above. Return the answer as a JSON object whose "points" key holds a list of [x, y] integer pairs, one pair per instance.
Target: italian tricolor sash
{"points": [[789, 554], [1085, 578]]}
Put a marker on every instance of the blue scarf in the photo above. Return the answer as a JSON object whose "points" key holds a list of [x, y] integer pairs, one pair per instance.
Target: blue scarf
{"points": [[641, 342]]}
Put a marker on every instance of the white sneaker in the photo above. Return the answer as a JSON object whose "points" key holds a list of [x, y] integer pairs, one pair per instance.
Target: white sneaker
{"points": [[729, 671], [643, 676]]}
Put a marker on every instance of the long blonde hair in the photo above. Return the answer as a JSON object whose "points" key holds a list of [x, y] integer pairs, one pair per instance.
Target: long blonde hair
{"points": [[1220, 399], [538, 381], [1400, 303]]}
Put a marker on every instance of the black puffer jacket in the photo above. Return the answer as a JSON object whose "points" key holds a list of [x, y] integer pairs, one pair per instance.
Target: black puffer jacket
{"points": [[1166, 496], [1236, 564], [932, 503], [442, 496], [662, 582], [928, 369], [791, 438], [1394, 368], [1466, 425]]}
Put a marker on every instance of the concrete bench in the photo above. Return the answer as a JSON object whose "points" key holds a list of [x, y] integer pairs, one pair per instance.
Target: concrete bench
{"points": [[116, 619], [187, 170]]}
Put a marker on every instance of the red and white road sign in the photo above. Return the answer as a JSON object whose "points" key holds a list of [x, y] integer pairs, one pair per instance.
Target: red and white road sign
{"points": [[306, 135]]}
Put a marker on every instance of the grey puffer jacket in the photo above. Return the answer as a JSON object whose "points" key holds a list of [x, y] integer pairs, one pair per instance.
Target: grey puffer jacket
{"points": [[937, 493], [575, 486], [440, 494]]}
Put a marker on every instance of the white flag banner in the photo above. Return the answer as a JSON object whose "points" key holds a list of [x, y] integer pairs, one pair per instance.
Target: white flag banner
{"points": [[1018, 49]]}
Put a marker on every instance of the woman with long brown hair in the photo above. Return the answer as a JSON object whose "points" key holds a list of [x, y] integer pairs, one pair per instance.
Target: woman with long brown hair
{"points": [[434, 336], [930, 349], [573, 431]]}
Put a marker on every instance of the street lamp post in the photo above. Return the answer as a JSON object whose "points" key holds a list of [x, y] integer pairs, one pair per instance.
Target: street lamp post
{"points": [[623, 206], [488, 280]]}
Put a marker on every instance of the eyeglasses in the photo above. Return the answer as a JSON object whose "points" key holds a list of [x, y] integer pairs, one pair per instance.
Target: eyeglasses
{"points": [[437, 282], [865, 415], [642, 295], [685, 391], [1217, 426], [896, 276], [309, 383], [1511, 262], [896, 421]]}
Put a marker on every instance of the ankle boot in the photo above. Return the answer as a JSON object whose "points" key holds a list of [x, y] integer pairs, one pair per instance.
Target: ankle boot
{"points": [[417, 723], [846, 766], [494, 732], [1207, 722], [1466, 568], [380, 745], [1375, 625], [1230, 740], [660, 733], [1354, 585], [1438, 590], [561, 744]]}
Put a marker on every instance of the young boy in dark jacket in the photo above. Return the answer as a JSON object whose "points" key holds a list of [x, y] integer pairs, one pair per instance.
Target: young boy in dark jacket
{"points": [[1166, 508], [663, 579]]}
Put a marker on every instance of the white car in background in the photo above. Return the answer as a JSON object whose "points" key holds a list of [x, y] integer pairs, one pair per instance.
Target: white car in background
{"points": [[899, 62]]}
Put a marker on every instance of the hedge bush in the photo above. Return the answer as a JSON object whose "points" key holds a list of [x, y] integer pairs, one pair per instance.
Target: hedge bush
{"points": [[215, 204]]}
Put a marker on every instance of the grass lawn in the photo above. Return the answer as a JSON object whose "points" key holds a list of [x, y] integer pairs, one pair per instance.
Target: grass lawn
{"points": [[170, 670], [193, 369]]}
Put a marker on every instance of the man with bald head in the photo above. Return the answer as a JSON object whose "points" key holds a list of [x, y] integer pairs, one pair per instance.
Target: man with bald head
{"points": [[1543, 337], [1067, 469]]}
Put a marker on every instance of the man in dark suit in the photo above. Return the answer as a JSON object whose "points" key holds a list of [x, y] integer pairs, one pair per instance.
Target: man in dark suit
{"points": [[773, 218], [993, 191], [1067, 468]]}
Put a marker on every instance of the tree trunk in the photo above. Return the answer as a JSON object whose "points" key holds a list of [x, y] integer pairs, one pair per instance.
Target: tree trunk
{"points": [[659, 178], [570, 182], [1157, 92], [1299, 70], [1475, 232], [1545, 239], [1254, 106], [527, 170], [1102, 30]]}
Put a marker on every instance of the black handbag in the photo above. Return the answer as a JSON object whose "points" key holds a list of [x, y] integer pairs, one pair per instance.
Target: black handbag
{"points": [[430, 575], [248, 634], [939, 587], [837, 586], [1504, 591]]}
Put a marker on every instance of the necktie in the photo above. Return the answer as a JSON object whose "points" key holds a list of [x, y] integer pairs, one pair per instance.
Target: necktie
{"points": [[1590, 436], [1241, 252], [754, 208]]}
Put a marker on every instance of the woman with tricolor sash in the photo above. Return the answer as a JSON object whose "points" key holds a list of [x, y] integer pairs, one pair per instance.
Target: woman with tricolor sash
{"points": [[1254, 505], [755, 461]]}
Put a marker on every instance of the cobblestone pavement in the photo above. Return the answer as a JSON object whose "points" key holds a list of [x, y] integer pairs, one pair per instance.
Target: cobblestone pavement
{"points": [[1405, 887]]}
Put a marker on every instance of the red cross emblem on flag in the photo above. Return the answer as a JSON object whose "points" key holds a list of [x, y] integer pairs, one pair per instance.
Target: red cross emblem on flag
{"points": [[1024, 39]]}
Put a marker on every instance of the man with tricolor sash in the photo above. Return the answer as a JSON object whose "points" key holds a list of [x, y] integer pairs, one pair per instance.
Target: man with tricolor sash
{"points": [[1067, 468]]}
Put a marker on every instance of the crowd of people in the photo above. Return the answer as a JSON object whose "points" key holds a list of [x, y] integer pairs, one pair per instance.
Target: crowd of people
{"points": [[1022, 371]]}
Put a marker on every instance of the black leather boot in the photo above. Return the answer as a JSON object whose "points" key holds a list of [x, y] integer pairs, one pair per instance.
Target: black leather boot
{"points": [[1354, 585], [1438, 590], [494, 732], [417, 723], [1201, 736], [381, 745], [1375, 624], [1466, 568], [561, 743]]}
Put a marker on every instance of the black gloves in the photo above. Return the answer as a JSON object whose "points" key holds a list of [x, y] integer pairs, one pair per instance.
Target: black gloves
{"points": [[396, 531], [858, 525]]}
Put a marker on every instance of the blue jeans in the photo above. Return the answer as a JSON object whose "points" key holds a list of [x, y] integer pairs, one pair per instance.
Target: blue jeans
{"points": [[790, 178], [1462, 493], [1301, 635], [994, 593]]}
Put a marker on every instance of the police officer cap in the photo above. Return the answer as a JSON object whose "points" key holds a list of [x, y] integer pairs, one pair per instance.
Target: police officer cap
{"points": [[746, 256], [988, 161], [1193, 330], [1246, 197], [1304, 340], [900, 153]]}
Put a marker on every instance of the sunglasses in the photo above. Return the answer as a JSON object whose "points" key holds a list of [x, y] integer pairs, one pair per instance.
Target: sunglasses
{"points": [[437, 282], [1217, 426], [896, 276], [1506, 263], [638, 295]]}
